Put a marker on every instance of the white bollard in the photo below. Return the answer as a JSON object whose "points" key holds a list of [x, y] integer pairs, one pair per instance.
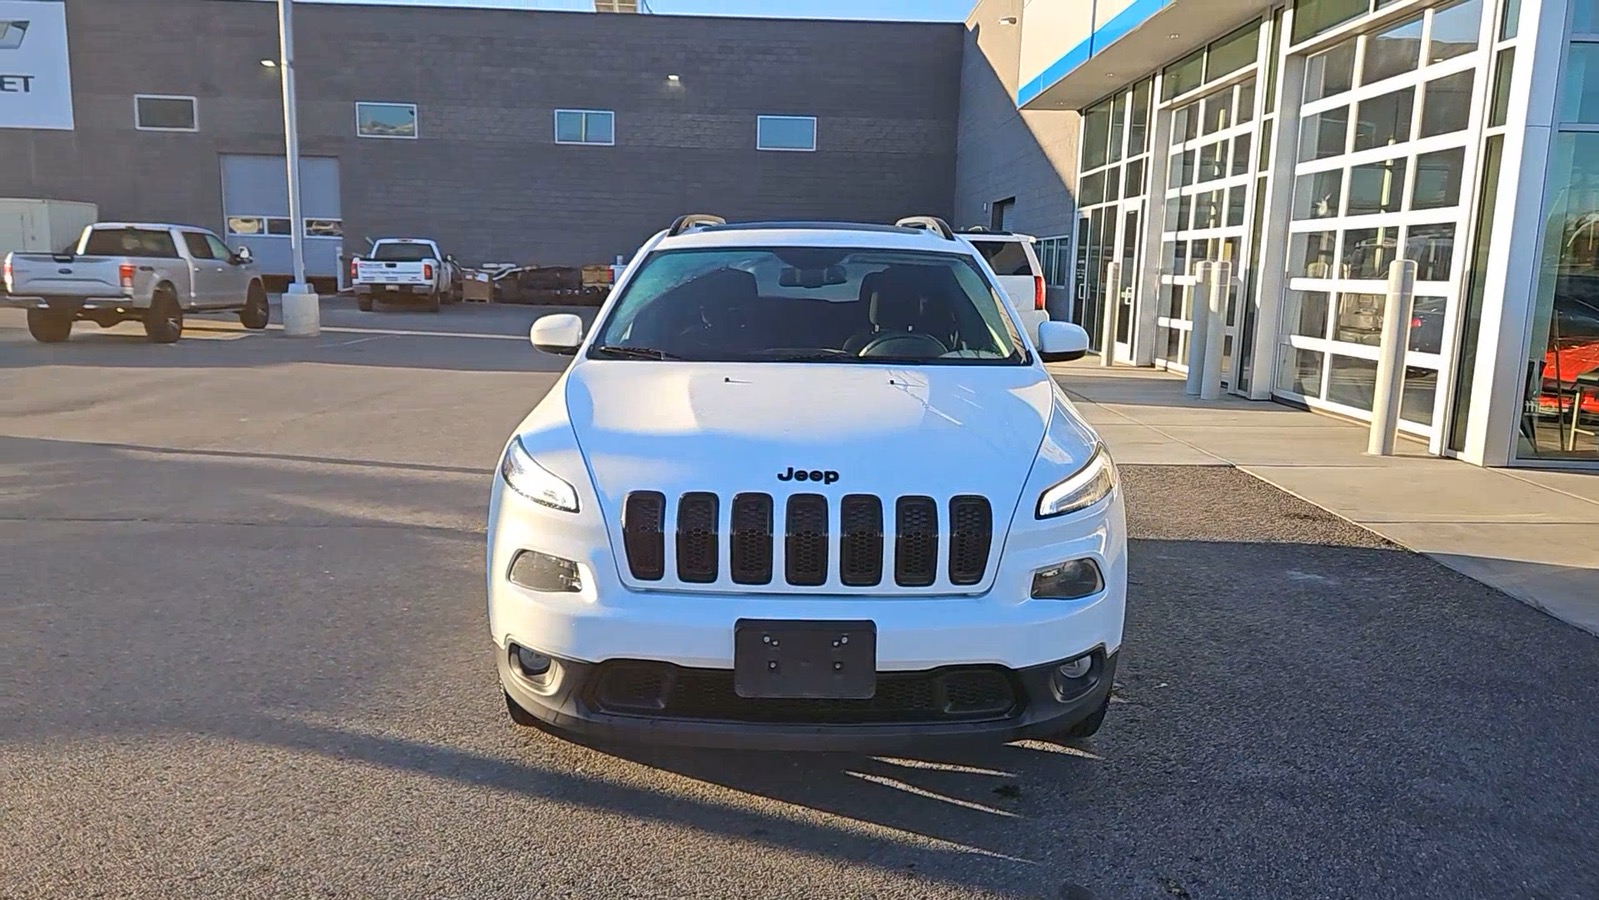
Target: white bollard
{"points": [[1113, 304], [1215, 334], [302, 311], [1390, 385], [1201, 326]]}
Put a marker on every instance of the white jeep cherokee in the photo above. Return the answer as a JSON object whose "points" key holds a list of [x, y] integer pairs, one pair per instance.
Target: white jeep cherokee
{"points": [[806, 485]]}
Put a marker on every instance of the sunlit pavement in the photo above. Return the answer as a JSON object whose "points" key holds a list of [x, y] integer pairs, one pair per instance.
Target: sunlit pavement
{"points": [[243, 652]]}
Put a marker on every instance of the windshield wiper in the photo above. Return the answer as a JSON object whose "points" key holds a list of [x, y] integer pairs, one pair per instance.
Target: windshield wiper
{"points": [[620, 352]]}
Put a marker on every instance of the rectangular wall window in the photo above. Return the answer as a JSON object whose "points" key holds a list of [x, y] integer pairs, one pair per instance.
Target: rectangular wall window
{"points": [[154, 112], [585, 126], [785, 133], [386, 120]]}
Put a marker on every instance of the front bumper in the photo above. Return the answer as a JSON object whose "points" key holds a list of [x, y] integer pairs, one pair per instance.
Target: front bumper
{"points": [[660, 703]]}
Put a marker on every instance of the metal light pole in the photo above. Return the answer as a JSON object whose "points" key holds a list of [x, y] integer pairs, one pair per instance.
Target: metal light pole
{"points": [[302, 314]]}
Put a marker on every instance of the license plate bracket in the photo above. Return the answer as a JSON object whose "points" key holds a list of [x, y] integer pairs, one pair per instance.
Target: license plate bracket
{"points": [[805, 660]]}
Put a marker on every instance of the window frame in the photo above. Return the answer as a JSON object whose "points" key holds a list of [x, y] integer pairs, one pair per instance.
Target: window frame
{"points": [[416, 121], [194, 106], [815, 139], [585, 113]]}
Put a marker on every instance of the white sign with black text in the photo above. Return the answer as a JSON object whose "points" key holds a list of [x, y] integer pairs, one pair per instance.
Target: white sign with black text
{"points": [[35, 69]]}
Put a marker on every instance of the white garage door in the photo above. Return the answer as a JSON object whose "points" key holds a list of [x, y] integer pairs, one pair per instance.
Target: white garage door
{"points": [[255, 209]]}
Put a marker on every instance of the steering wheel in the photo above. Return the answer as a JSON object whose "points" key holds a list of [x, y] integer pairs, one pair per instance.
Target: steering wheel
{"points": [[904, 343]]}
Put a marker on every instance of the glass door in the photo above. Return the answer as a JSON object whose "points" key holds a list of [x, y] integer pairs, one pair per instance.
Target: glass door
{"points": [[1129, 254]]}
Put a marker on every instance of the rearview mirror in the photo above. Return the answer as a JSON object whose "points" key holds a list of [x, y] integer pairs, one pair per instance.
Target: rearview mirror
{"points": [[793, 276], [243, 254], [560, 334], [1061, 341]]}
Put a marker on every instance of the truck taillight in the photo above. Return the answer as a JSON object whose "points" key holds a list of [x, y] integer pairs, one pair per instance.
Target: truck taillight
{"points": [[1038, 292], [5, 271], [427, 271], [355, 269], [125, 274]]}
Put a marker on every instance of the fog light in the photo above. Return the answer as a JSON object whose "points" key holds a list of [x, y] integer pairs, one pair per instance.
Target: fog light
{"points": [[542, 572], [1078, 667], [532, 664], [1071, 678], [1068, 581]]}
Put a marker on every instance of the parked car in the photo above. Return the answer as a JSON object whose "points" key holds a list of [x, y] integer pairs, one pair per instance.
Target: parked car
{"points": [[805, 486], [1014, 260], [119, 272], [405, 269]]}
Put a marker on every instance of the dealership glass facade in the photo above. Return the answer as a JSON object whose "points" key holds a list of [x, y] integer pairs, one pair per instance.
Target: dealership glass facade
{"points": [[1315, 144]]}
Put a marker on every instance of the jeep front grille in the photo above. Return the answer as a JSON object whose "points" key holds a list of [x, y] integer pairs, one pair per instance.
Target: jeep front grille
{"points": [[852, 549]]}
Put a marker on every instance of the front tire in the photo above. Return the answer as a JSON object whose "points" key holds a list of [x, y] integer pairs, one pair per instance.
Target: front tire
{"points": [[48, 326], [257, 312], [163, 321]]}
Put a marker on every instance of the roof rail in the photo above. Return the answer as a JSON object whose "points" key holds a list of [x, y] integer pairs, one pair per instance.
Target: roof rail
{"points": [[694, 220], [928, 223], [976, 229]]}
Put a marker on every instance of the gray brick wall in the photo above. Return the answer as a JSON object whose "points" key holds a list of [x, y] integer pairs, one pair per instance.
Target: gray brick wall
{"points": [[486, 177], [1003, 152]]}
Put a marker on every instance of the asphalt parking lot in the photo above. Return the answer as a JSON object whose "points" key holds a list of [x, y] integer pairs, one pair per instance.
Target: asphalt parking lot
{"points": [[243, 652]]}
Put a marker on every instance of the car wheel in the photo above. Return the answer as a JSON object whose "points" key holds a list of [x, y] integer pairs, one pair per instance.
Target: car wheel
{"points": [[257, 312], [163, 321], [432, 304], [364, 304], [519, 715], [48, 326]]}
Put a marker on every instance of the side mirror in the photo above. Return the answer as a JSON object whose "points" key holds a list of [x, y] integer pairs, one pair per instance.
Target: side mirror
{"points": [[1061, 341], [559, 334], [243, 255]]}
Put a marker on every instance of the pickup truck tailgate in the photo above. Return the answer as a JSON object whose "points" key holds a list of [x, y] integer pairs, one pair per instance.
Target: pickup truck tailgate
{"points": [[82, 276], [374, 272]]}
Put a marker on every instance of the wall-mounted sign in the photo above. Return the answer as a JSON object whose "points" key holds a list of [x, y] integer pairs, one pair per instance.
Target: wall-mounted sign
{"points": [[35, 71]]}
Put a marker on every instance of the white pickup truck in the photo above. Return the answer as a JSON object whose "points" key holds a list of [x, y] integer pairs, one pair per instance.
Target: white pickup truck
{"points": [[120, 272], [403, 269]]}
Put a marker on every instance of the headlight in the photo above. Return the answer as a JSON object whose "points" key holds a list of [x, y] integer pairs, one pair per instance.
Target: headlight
{"points": [[533, 481], [1091, 484]]}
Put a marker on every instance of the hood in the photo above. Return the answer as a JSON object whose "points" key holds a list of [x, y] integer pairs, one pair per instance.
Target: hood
{"points": [[725, 428]]}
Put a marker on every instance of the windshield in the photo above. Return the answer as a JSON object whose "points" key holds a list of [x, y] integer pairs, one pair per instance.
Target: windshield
{"points": [[810, 304], [402, 252]]}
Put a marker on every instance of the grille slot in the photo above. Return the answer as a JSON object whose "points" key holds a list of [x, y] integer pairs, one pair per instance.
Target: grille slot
{"points": [[697, 544], [750, 556], [860, 551], [805, 547], [971, 531], [916, 542], [644, 534]]}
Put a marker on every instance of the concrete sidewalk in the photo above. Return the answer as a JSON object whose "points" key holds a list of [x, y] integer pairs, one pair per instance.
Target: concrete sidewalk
{"points": [[1532, 534]]}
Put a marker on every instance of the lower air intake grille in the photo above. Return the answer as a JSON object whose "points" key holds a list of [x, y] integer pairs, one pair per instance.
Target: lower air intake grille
{"points": [[962, 694], [697, 538], [644, 535], [916, 544], [971, 531], [805, 551]]}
